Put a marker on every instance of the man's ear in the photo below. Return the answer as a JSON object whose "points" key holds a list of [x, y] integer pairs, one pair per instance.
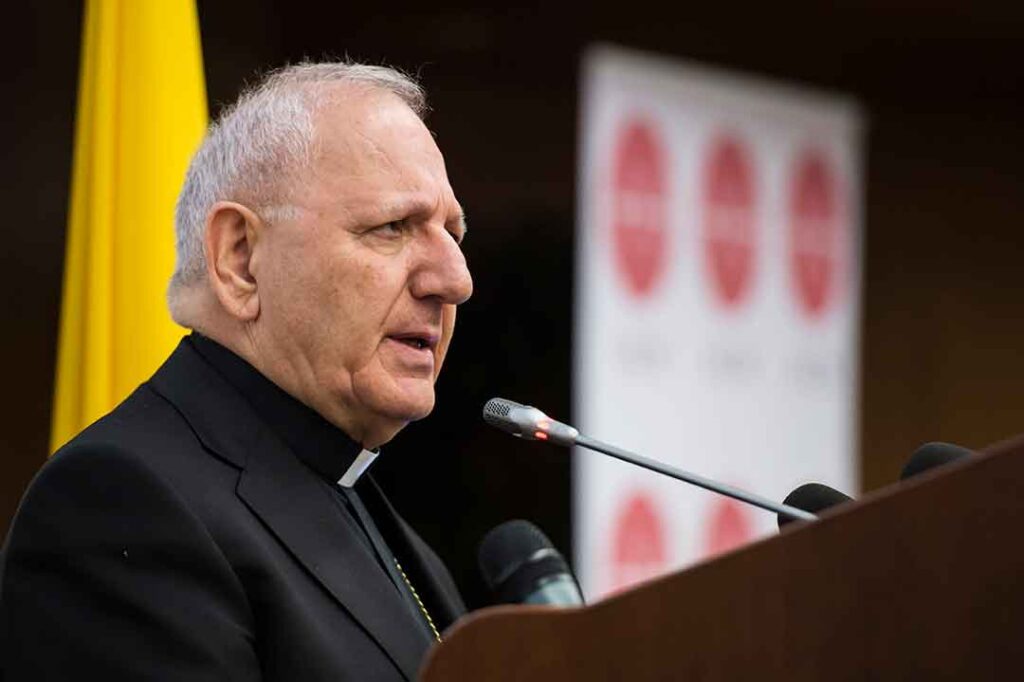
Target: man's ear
{"points": [[230, 237]]}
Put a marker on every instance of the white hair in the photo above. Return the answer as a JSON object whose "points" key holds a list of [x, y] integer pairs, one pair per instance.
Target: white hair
{"points": [[254, 151]]}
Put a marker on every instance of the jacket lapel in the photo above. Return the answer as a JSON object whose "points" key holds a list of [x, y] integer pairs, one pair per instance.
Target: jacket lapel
{"points": [[299, 510], [294, 503], [428, 573]]}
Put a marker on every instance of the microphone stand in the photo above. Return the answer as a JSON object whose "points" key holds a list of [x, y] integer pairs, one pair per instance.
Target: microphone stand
{"points": [[694, 479]]}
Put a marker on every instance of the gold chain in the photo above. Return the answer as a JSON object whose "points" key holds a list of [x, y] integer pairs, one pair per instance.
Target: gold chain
{"points": [[419, 602]]}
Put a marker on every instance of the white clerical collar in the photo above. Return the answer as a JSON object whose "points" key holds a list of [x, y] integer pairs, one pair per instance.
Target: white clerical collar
{"points": [[363, 461]]}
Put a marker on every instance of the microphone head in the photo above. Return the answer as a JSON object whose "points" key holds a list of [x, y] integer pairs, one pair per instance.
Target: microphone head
{"points": [[932, 455], [517, 560], [525, 421], [813, 497], [498, 413]]}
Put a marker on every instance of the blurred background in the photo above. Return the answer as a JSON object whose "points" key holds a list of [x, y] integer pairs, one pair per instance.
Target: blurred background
{"points": [[941, 330]]}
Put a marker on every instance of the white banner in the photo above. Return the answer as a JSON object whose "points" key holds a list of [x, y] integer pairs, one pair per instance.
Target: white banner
{"points": [[719, 230]]}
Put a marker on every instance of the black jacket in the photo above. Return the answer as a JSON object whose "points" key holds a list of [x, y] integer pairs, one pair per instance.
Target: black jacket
{"points": [[179, 538]]}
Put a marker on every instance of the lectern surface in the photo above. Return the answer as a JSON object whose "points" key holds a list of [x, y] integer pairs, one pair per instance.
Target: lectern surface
{"points": [[919, 582]]}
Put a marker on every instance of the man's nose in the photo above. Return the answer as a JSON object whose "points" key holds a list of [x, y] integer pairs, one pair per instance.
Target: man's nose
{"points": [[441, 271]]}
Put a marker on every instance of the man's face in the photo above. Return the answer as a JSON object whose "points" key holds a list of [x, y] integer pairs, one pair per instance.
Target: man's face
{"points": [[358, 291]]}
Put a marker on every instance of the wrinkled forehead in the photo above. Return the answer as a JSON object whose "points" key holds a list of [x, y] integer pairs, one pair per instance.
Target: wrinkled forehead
{"points": [[363, 128], [370, 142]]}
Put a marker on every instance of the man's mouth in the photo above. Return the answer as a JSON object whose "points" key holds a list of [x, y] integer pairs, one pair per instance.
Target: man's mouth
{"points": [[419, 341], [414, 342]]}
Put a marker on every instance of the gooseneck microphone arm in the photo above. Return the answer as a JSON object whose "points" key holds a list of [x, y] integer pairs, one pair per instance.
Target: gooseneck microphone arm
{"points": [[694, 479], [530, 423]]}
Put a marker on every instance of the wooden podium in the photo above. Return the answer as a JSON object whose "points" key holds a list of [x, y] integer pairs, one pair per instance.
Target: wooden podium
{"points": [[920, 581]]}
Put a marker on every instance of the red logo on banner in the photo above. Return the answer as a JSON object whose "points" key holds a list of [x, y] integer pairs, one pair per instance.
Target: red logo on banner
{"points": [[728, 526], [729, 223], [815, 239], [638, 552], [638, 195]]}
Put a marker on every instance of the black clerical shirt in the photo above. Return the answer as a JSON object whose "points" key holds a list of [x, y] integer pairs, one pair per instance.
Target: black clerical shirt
{"points": [[320, 445]]}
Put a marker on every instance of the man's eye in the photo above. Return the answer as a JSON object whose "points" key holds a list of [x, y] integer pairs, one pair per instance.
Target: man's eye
{"points": [[392, 229]]}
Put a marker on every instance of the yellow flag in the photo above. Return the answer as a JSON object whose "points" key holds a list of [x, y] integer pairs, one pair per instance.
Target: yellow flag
{"points": [[141, 114]]}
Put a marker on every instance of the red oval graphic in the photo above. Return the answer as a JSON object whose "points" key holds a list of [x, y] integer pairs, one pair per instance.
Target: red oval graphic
{"points": [[638, 548], [640, 236], [729, 526], [815, 239], [729, 225]]}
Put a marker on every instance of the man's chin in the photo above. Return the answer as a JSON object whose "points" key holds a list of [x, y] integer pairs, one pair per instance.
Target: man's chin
{"points": [[391, 416], [387, 403], [408, 403]]}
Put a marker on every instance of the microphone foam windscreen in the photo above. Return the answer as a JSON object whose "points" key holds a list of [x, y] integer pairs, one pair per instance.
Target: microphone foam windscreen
{"points": [[507, 547], [813, 497], [932, 455], [515, 558]]}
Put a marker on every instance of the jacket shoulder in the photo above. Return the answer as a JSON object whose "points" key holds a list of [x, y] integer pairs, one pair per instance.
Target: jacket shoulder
{"points": [[104, 548], [144, 421]]}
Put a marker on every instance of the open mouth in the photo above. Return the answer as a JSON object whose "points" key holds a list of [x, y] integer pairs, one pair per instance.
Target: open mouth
{"points": [[416, 342]]}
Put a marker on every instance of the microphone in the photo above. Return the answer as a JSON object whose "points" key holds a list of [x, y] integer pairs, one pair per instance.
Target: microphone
{"points": [[933, 455], [529, 423], [814, 498], [524, 421], [521, 566]]}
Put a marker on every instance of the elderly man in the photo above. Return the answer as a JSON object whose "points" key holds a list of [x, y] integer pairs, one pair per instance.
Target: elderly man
{"points": [[217, 525]]}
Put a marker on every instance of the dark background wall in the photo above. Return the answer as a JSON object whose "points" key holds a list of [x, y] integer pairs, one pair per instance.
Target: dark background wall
{"points": [[943, 324]]}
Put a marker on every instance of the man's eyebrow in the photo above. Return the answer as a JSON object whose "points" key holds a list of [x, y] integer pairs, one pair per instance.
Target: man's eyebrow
{"points": [[405, 207], [419, 207]]}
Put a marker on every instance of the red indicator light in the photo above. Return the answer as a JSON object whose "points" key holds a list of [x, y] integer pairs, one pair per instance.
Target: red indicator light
{"points": [[540, 435]]}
